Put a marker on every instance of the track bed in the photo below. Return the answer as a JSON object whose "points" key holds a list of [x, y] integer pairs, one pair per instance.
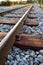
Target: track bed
{"points": [[25, 35]]}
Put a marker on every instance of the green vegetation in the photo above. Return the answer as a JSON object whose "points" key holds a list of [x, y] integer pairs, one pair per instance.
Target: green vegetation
{"points": [[8, 3], [40, 3], [30, 1]]}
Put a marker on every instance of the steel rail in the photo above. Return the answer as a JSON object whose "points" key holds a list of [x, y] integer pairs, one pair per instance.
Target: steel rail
{"points": [[9, 39]]}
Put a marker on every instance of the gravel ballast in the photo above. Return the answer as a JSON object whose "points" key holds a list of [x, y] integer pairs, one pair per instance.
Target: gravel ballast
{"points": [[5, 28], [21, 57]]}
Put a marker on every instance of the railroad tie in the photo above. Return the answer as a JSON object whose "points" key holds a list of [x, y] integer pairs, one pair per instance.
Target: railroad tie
{"points": [[27, 40], [32, 13], [8, 22], [32, 23], [17, 12], [13, 16], [32, 17]]}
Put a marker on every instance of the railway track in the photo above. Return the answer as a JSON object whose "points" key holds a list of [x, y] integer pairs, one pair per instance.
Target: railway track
{"points": [[16, 20]]}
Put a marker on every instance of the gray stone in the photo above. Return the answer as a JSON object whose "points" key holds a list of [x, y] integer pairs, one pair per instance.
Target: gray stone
{"points": [[1, 30], [21, 63], [22, 54], [41, 52], [32, 53], [40, 58], [18, 57], [38, 30], [32, 31], [37, 52], [27, 52], [27, 31], [13, 48], [30, 28], [41, 24], [17, 49], [6, 30], [10, 58], [31, 63], [31, 59], [7, 62], [41, 64], [12, 62], [27, 56], [15, 62], [36, 62], [41, 32]]}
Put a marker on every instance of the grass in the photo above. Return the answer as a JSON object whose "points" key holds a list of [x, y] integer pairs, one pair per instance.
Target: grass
{"points": [[12, 3], [17, 4], [40, 6]]}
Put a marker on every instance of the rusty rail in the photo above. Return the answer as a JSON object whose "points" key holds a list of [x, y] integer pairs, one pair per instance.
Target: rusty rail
{"points": [[9, 39]]}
